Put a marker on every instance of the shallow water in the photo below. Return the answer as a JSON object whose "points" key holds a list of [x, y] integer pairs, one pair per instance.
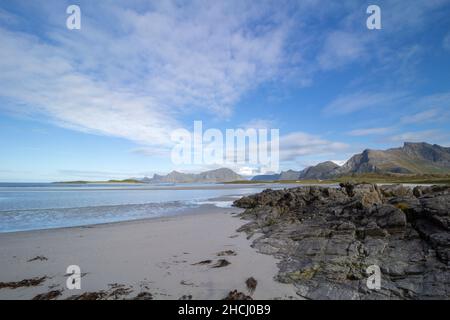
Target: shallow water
{"points": [[43, 206]]}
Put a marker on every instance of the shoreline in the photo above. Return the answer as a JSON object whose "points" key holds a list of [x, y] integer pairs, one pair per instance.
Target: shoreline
{"points": [[163, 257], [201, 210]]}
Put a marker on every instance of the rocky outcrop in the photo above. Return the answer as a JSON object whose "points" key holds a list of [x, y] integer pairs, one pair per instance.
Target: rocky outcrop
{"points": [[327, 237]]}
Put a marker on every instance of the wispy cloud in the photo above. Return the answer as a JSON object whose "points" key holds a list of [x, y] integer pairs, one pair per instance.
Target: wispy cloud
{"points": [[341, 48], [130, 83], [428, 109], [139, 69], [259, 124], [398, 17], [438, 100], [349, 103], [100, 175], [370, 131], [421, 117], [301, 144], [154, 151], [7, 18], [431, 136], [418, 112]]}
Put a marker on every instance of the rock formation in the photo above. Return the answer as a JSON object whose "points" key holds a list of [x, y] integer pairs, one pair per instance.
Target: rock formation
{"points": [[327, 237]]}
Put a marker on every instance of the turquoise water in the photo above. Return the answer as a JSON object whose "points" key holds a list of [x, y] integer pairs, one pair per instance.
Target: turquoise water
{"points": [[43, 206]]}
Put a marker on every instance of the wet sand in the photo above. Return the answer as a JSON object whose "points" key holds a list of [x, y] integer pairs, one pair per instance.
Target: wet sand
{"points": [[157, 256]]}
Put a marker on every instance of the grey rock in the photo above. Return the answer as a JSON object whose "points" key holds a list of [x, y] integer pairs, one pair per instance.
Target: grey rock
{"points": [[327, 237]]}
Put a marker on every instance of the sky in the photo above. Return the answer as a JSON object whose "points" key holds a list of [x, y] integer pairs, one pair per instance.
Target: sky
{"points": [[101, 102]]}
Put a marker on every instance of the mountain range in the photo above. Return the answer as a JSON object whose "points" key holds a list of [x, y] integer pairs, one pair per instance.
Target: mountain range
{"points": [[412, 158], [218, 175]]}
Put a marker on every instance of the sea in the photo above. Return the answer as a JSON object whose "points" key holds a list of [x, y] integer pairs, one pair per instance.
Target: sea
{"points": [[36, 206]]}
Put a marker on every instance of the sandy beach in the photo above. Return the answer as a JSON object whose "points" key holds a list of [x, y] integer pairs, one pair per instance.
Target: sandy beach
{"points": [[156, 256]]}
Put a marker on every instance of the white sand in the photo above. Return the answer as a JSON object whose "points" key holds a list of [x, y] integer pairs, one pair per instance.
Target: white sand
{"points": [[153, 255]]}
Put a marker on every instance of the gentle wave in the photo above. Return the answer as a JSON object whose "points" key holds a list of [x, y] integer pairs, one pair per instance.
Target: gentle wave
{"points": [[23, 220], [219, 204]]}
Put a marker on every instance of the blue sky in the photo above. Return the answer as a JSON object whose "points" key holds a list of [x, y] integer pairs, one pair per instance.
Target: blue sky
{"points": [[101, 102]]}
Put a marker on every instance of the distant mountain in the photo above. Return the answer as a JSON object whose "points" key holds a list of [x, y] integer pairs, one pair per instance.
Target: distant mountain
{"points": [[218, 175], [289, 175], [324, 170], [412, 158]]}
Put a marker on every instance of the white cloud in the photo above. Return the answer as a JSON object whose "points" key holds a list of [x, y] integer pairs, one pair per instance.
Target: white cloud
{"points": [[259, 124], [421, 117], [438, 100], [430, 136], [341, 48], [370, 131], [135, 80], [293, 147], [349, 103], [154, 151], [100, 175], [246, 171], [432, 110], [339, 162], [39, 82], [428, 109], [300, 144]]}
